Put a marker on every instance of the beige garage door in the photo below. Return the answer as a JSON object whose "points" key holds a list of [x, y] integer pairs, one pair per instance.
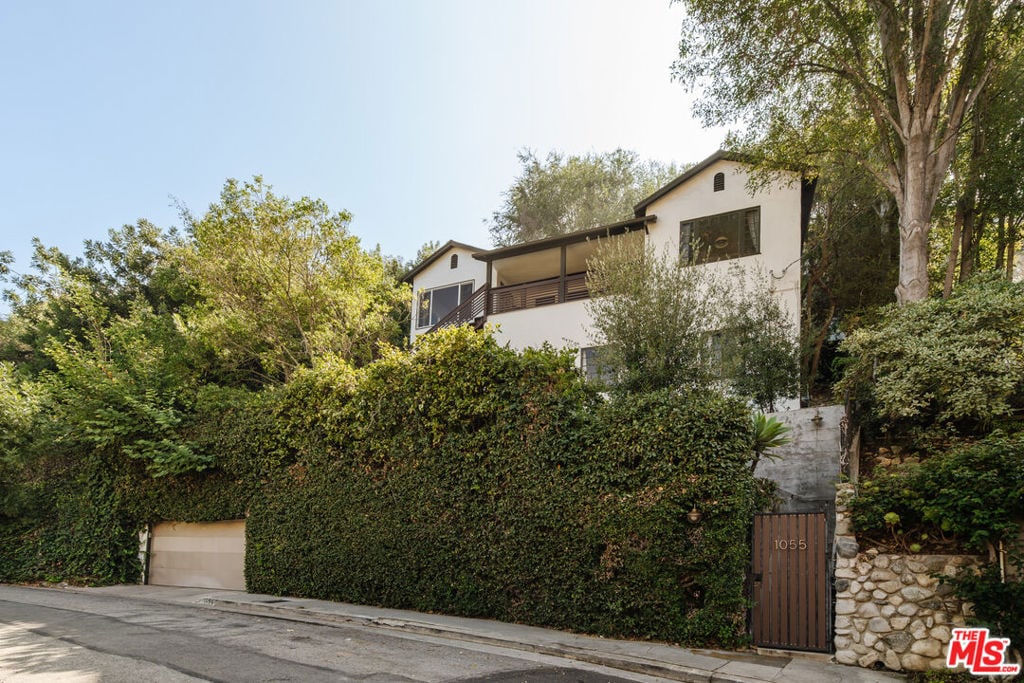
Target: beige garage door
{"points": [[201, 555]]}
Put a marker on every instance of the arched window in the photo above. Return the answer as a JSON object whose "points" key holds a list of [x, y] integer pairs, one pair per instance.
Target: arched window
{"points": [[719, 182], [455, 261]]}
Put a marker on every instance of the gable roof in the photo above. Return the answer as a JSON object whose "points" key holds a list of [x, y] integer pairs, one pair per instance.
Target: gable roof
{"points": [[721, 155], [450, 244]]}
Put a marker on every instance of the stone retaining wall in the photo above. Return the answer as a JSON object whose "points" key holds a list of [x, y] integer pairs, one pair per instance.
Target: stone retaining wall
{"points": [[888, 608]]}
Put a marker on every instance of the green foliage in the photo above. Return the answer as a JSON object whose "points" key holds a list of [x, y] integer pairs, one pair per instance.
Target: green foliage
{"points": [[760, 355], [666, 324], [562, 194], [125, 388], [466, 478], [133, 266], [973, 492], [654, 317], [768, 433], [283, 282], [840, 282], [461, 477], [943, 363]]}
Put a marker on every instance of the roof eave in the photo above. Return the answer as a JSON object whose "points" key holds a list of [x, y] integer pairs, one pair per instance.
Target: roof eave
{"points": [[560, 240]]}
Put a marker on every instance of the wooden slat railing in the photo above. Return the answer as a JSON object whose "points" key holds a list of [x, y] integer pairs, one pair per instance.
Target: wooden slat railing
{"points": [[538, 293], [491, 300]]}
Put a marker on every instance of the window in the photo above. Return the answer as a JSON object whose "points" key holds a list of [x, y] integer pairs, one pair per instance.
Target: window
{"points": [[438, 302], [594, 369], [719, 183], [721, 237], [454, 262]]}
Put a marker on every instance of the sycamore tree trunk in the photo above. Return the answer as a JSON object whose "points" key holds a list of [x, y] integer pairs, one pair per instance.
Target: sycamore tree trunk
{"points": [[936, 65], [914, 229], [915, 200]]}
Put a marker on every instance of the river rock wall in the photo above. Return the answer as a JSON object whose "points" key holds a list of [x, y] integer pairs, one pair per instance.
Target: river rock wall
{"points": [[889, 608]]}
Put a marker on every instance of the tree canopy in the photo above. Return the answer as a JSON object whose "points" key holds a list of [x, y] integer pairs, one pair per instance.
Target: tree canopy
{"points": [[282, 282], [563, 193]]}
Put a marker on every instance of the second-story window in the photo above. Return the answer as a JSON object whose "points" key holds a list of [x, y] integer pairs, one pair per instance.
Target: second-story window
{"points": [[434, 304], [721, 237], [455, 261], [719, 182]]}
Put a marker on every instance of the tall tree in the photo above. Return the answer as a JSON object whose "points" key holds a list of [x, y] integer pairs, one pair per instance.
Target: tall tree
{"points": [[283, 282], [890, 81], [561, 193]]}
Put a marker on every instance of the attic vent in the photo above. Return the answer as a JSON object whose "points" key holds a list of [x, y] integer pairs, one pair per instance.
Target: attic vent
{"points": [[455, 261], [719, 182]]}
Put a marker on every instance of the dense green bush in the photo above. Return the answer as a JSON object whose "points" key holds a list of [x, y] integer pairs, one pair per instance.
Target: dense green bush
{"points": [[974, 492], [943, 363], [74, 509], [469, 479]]}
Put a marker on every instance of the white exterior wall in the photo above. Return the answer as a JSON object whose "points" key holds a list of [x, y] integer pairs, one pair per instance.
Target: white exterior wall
{"points": [[439, 274], [569, 324], [779, 260], [561, 325]]}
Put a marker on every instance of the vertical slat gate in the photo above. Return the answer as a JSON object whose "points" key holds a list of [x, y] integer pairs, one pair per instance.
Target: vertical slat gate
{"points": [[790, 582]]}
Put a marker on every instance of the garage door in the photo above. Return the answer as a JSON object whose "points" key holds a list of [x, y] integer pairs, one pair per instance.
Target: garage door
{"points": [[201, 555]]}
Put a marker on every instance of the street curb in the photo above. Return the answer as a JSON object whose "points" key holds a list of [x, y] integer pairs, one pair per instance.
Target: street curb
{"points": [[629, 663]]}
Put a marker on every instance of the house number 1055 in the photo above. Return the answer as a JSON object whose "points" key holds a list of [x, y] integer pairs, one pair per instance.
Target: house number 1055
{"points": [[790, 544]]}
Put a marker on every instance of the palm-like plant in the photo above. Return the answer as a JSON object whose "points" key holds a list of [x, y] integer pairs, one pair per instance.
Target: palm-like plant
{"points": [[767, 433]]}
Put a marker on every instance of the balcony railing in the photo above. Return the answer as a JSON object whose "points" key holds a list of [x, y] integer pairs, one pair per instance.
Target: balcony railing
{"points": [[538, 293], [492, 300]]}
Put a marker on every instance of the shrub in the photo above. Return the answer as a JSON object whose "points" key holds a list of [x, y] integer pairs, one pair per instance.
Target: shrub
{"points": [[469, 479], [943, 363], [974, 491]]}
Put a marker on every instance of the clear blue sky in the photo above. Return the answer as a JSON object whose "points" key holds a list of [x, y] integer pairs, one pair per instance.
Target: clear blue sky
{"points": [[408, 114]]}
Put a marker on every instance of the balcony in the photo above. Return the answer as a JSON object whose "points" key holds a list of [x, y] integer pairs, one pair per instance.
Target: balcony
{"points": [[541, 273], [493, 300], [538, 293]]}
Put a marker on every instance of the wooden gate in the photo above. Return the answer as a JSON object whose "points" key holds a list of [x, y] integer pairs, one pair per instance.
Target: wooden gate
{"points": [[790, 582]]}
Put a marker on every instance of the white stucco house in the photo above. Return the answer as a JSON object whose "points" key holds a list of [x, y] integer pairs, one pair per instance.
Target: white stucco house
{"points": [[536, 292]]}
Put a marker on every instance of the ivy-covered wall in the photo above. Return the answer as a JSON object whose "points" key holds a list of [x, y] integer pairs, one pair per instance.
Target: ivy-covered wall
{"points": [[462, 477]]}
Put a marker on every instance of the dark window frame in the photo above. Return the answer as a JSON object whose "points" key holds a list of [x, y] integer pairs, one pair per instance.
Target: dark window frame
{"points": [[718, 184], [718, 244], [463, 290], [453, 263]]}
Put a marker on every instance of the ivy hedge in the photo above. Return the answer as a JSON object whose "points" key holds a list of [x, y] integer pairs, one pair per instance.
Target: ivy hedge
{"points": [[461, 477]]}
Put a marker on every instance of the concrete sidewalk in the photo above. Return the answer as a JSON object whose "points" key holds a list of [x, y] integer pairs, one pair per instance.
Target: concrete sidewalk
{"points": [[674, 663]]}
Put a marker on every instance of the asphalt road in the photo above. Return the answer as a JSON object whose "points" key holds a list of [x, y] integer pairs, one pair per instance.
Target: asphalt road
{"points": [[52, 635]]}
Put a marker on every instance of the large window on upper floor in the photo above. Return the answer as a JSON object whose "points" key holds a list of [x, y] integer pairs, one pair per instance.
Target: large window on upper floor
{"points": [[721, 237], [434, 304]]}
